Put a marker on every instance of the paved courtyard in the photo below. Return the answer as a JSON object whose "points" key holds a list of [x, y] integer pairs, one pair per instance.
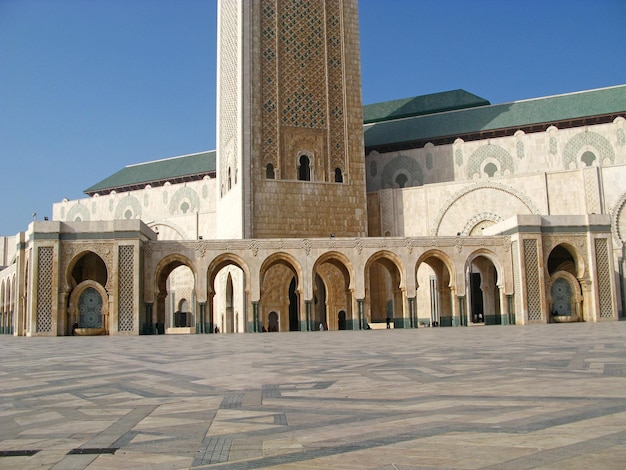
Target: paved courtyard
{"points": [[549, 396]]}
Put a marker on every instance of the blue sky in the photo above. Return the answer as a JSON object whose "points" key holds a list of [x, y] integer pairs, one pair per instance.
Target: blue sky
{"points": [[89, 86]]}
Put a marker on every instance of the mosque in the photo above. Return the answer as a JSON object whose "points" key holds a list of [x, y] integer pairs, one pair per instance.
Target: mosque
{"points": [[316, 212]]}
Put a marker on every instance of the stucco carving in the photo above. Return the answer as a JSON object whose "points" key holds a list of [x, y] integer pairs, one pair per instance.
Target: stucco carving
{"points": [[618, 221], [476, 187]]}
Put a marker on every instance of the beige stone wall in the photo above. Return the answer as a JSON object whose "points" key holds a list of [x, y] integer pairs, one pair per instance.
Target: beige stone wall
{"points": [[293, 209], [7, 250], [182, 211], [542, 152], [542, 173], [231, 118]]}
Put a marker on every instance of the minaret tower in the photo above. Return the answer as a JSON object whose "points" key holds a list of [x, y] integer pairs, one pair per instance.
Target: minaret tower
{"points": [[290, 156]]}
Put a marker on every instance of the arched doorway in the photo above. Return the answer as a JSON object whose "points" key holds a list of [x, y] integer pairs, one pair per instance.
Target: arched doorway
{"points": [[273, 322], [333, 292], [182, 316], [175, 280], [87, 300], [280, 293], [434, 296], [384, 294], [228, 321], [179, 311], [483, 291], [563, 289], [227, 296], [341, 320]]}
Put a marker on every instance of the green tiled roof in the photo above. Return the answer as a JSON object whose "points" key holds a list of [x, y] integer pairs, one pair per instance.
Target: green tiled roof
{"points": [[421, 105], [158, 171], [502, 116]]}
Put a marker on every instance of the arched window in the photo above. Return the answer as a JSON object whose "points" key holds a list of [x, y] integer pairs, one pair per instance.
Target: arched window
{"points": [[490, 169], [269, 172], [588, 158], [338, 175], [304, 170], [401, 180], [229, 179]]}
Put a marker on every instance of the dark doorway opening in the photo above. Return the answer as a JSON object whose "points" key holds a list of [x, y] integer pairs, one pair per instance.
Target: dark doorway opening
{"points": [[341, 320], [293, 307], [477, 299]]}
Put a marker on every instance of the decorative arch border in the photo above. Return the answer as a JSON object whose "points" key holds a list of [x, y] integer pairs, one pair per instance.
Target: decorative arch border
{"points": [[476, 187], [441, 256], [618, 210], [584, 140], [124, 203], [222, 261], [78, 209], [489, 151], [331, 256], [182, 194], [479, 218], [75, 296], [576, 290], [396, 165]]}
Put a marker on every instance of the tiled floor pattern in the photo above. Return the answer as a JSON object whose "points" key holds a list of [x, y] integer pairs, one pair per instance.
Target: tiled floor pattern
{"points": [[547, 397]]}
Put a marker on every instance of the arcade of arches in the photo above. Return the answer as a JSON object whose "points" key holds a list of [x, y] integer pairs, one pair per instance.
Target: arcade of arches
{"points": [[139, 285]]}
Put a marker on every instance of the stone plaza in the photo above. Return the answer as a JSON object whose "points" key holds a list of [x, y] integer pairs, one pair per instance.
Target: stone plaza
{"points": [[539, 396]]}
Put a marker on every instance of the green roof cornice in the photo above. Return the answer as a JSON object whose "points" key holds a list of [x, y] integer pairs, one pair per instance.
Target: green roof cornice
{"points": [[515, 115], [176, 169], [421, 105]]}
